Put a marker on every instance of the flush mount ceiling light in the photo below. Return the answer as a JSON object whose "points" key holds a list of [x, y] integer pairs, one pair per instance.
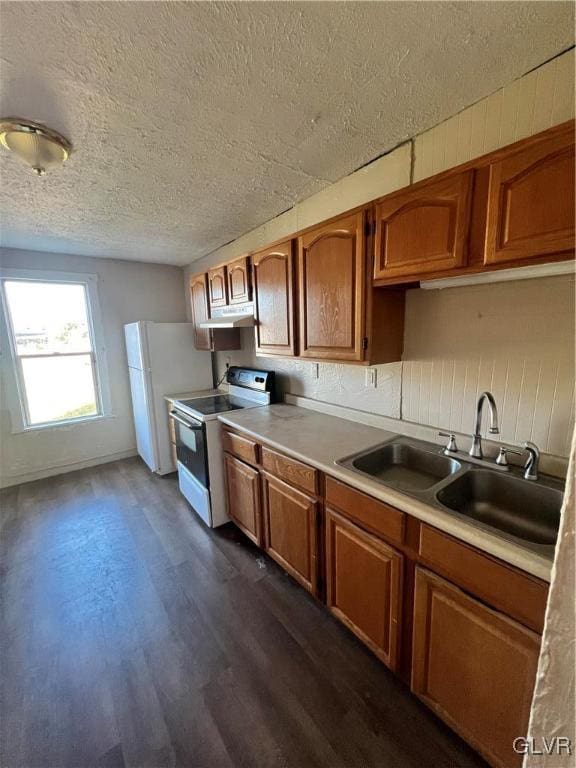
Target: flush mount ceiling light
{"points": [[39, 147]]}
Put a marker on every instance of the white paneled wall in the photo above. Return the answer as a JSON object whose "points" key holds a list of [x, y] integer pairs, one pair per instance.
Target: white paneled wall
{"points": [[539, 100], [514, 339]]}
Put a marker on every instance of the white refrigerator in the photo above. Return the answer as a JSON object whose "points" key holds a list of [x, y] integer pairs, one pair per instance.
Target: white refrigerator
{"points": [[162, 360]]}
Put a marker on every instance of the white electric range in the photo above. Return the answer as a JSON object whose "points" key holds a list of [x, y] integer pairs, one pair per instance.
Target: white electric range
{"points": [[199, 438]]}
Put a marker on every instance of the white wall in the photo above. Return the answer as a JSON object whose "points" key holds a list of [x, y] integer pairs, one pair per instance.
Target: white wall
{"points": [[128, 291], [516, 338]]}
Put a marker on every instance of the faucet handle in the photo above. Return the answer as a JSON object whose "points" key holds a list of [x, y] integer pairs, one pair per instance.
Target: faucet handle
{"points": [[531, 467], [501, 459], [451, 446]]}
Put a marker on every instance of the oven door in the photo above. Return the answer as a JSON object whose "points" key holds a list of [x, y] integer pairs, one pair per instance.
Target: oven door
{"points": [[191, 445]]}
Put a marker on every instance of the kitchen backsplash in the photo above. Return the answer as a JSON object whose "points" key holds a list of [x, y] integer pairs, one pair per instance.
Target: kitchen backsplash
{"points": [[515, 339]]}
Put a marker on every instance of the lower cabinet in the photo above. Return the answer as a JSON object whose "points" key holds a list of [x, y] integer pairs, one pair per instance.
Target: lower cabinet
{"points": [[474, 667], [291, 530], [364, 586], [243, 493]]}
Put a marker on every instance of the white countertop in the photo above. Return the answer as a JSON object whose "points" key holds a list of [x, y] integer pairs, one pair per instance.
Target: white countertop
{"points": [[320, 440]]}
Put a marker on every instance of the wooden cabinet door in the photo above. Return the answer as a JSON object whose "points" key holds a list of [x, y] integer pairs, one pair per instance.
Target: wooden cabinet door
{"points": [[331, 274], [273, 274], [531, 202], [238, 281], [199, 304], [217, 289], [290, 530], [243, 494], [423, 229], [364, 586], [474, 667]]}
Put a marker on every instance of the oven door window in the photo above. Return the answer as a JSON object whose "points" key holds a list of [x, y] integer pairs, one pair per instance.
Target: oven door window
{"points": [[191, 448]]}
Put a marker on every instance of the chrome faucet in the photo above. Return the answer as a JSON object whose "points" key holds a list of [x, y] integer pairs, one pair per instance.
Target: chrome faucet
{"points": [[531, 466], [476, 447]]}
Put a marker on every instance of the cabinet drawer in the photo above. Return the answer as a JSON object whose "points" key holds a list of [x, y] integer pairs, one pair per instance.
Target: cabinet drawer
{"points": [[295, 472], [515, 593], [374, 515], [240, 446]]}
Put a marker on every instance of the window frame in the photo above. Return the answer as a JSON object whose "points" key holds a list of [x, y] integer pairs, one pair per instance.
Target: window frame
{"points": [[19, 410]]}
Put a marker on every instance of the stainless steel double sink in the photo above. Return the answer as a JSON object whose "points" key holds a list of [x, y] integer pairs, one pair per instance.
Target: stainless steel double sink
{"points": [[526, 512]]}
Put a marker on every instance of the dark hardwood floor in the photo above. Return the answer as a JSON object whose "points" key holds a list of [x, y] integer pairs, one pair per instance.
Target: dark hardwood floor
{"points": [[134, 636]]}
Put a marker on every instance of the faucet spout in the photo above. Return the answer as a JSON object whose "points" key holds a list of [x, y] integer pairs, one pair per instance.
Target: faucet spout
{"points": [[476, 447]]}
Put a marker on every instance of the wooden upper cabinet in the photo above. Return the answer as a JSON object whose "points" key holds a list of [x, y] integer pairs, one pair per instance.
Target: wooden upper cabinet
{"points": [[474, 667], [531, 201], [238, 281], [364, 586], [199, 305], [243, 495], [331, 275], [423, 228], [217, 287], [273, 275], [290, 530]]}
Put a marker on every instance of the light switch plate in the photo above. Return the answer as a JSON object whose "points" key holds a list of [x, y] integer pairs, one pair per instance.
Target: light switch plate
{"points": [[370, 380]]}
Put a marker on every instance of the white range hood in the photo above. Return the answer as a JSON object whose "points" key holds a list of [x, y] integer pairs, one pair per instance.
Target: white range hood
{"points": [[241, 316], [229, 321]]}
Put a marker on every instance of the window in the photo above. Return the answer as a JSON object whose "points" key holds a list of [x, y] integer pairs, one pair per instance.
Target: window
{"points": [[51, 327]]}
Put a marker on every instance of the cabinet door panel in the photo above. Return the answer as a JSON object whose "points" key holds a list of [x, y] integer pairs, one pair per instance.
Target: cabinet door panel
{"points": [[217, 287], [243, 493], [364, 586], [424, 229], [199, 304], [474, 667], [531, 202], [331, 266], [238, 281], [274, 300], [290, 530]]}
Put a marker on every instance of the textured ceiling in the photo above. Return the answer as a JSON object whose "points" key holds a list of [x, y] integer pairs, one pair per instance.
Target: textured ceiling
{"points": [[195, 122]]}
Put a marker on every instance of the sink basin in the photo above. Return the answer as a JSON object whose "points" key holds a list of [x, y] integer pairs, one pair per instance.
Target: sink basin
{"points": [[404, 466], [524, 509]]}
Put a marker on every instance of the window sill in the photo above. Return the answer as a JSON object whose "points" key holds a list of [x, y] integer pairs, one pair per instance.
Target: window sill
{"points": [[20, 430]]}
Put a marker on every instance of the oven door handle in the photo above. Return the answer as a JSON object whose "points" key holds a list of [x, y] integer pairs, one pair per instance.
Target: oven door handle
{"points": [[177, 418]]}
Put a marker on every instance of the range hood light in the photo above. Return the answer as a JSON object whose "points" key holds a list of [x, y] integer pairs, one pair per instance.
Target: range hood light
{"points": [[501, 275]]}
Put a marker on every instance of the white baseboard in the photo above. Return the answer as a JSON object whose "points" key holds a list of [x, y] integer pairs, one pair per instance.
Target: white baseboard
{"points": [[62, 469]]}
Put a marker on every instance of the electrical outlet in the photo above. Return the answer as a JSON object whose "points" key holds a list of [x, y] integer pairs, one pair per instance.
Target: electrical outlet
{"points": [[370, 378], [315, 374]]}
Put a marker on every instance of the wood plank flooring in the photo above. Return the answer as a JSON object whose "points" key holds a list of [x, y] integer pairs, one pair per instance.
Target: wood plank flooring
{"points": [[132, 635]]}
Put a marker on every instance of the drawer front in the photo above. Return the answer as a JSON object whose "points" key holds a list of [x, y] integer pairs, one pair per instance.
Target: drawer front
{"points": [[240, 446], [517, 594], [295, 472], [374, 515]]}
